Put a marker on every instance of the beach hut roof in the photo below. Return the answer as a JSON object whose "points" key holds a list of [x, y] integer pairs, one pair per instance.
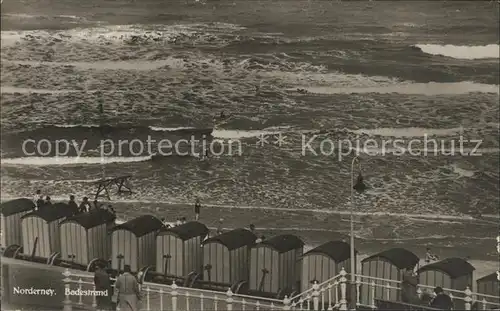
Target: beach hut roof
{"points": [[454, 267], [399, 257], [186, 231], [53, 212], [16, 206], [141, 225], [234, 239], [284, 243], [489, 278], [336, 250], [92, 219]]}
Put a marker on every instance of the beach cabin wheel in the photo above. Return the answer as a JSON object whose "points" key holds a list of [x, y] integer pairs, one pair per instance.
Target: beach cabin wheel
{"points": [[12, 250], [143, 275], [240, 287], [52, 258], [91, 267]]}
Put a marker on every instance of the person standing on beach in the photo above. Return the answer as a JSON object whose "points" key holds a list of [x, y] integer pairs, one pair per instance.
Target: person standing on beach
{"points": [[441, 301], [84, 206], [102, 282], [409, 287], [197, 208], [219, 227], [129, 294], [72, 204]]}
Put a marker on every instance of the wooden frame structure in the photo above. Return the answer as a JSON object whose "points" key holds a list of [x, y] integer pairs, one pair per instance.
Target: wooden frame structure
{"points": [[104, 184]]}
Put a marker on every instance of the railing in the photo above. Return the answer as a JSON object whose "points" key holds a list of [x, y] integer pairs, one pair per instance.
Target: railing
{"points": [[329, 295], [170, 297]]}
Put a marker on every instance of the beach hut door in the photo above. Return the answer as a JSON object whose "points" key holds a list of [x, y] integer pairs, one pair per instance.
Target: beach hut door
{"points": [[166, 259], [261, 285]]}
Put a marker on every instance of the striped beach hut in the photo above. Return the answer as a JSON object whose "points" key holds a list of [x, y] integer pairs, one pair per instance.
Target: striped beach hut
{"points": [[324, 262], [490, 286], [226, 257], [275, 265], [179, 249], [390, 265], [41, 231], [133, 243], [91, 232], [452, 273], [11, 213]]}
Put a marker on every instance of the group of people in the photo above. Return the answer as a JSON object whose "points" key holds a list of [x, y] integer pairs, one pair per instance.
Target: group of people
{"points": [[84, 207], [126, 294], [409, 293]]}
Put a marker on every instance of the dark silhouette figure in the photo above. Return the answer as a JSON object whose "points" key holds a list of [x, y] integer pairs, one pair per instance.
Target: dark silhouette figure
{"points": [[102, 282], [72, 204], [40, 202], [197, 208], [48, 202], [409, 287], [441, 301]]}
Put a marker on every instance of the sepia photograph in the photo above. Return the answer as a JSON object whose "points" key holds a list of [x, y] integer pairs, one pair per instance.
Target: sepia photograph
{"points": [[191, 155]]}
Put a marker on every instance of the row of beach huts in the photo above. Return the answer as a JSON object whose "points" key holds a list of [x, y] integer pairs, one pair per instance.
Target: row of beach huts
{"points": [[275, 267]]}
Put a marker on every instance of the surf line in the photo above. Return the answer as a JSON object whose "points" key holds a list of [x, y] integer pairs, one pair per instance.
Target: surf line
{"points": [[303, 210]]}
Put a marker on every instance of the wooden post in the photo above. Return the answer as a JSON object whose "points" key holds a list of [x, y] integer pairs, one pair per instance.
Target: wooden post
{"points": [[67, 281], [229, 300], [468, 298], [174, 296], [187, 301], [201, 302], [147, 298], [343, 290], [161, 298], [330, 298], [94, 300], [372, 289], [484, 303], [388, 291], [80, 297], [286, 303], [358, 290], [315, 296]]}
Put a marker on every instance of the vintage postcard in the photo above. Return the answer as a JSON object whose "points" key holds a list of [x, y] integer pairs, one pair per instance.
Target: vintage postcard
{"points": [[192, 155]]}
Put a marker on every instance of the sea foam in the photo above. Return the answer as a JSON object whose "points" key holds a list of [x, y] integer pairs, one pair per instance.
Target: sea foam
{"points": [[462, 51]]}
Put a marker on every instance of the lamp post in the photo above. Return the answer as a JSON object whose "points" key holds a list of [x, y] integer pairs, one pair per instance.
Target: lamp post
{"points": [[359, 186]]}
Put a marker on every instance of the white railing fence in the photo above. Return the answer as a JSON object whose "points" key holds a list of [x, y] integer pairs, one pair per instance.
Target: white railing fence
{"points": [[169, 297], [332, 294], [329, 295]]}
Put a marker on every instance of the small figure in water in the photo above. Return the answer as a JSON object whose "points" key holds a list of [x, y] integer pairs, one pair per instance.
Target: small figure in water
{"points": [[48, 202], [222, 115]]}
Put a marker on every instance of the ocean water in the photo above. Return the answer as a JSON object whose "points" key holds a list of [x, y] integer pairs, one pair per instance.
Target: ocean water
{"points": [[351, 71]]}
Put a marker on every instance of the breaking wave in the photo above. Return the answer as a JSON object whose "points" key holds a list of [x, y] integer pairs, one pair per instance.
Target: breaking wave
{"points": [[431, 88], [461, 51], [46, 161]]}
